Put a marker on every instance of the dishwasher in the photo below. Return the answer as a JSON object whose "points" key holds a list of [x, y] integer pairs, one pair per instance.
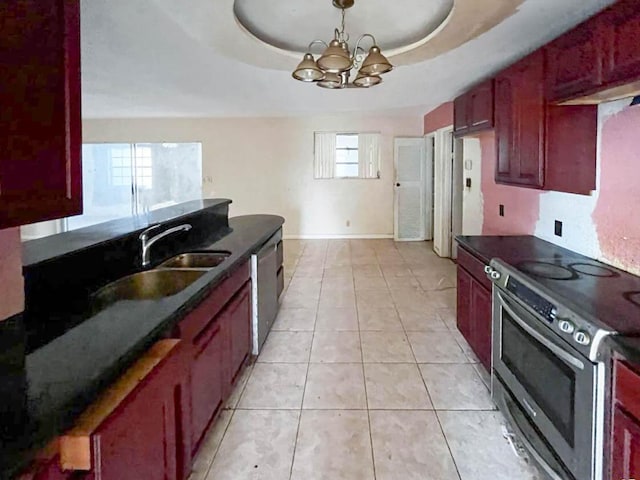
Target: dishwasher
{"points": [[264, 294]]}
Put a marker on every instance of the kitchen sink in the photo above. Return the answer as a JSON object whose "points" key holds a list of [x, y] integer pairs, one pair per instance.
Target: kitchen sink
{"points": [[149, 285], [196, 260]]}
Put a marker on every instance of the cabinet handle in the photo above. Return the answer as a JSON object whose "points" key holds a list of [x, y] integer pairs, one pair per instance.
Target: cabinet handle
{"points": [[204, 337]]}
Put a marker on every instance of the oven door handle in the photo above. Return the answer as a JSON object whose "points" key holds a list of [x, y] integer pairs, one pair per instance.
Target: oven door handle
{"points": [[570, 359], [532, 451]]}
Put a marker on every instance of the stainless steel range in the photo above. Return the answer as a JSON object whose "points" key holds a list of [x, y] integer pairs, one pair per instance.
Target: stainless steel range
{"points": [[548, 373]]}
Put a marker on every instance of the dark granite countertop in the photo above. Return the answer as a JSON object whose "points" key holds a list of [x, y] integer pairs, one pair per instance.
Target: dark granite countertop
{"points": [[41, 250], [45, 390], [627, 347], [512, 249], [590, 287]]}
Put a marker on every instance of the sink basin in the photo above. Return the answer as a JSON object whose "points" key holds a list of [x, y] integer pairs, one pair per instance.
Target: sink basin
{"points": [[196, 260], [149, 285]]}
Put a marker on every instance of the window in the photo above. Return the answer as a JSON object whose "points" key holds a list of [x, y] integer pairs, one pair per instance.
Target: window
{"points": [[144, 168], [120, 167], [121, 180], [346, 155]]}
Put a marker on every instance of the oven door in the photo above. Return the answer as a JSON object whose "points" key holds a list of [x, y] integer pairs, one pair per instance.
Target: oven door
{"points": [[552, 384]]}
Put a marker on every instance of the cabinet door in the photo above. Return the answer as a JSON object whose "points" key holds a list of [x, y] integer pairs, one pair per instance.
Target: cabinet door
{"points": [[571, 145], [520, 122], [40, 126], [574, 62], [460, 115], [138, 440], [51, 471], [464, 304], [207, 387], [481, 107], [481, 313], [625, 461], [238, 319], [621, 30]]}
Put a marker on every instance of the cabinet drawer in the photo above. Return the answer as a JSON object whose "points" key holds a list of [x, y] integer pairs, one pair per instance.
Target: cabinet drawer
{"points": [[474, 266], [200, 317], [627, 387]]}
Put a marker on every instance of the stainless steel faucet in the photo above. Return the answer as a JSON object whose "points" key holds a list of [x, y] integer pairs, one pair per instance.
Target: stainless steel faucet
{"points": [[146, 241]]}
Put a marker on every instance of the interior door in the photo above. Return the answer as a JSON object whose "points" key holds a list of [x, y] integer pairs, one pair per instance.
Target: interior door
{"points": [[409, 204]]}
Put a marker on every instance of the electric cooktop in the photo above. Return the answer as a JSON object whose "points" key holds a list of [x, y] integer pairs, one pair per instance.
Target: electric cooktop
{"points": [[593, 288]]}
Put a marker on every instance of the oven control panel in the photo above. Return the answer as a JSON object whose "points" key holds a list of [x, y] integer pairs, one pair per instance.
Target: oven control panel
{"points": [[545, 309]]}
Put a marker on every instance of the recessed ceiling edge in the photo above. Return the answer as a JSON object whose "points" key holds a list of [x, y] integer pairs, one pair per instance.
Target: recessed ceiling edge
{"points": [[464, 21]]}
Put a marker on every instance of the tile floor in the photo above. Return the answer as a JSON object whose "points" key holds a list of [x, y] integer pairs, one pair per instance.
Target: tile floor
{"points": [[364, 376]]}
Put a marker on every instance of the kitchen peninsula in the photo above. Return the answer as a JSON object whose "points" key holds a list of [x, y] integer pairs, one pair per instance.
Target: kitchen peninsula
{"points": [[64, 352]]}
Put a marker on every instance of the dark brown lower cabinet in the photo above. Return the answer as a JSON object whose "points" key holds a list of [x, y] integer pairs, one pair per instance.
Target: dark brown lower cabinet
{"points": [[135, 429], [217, 336], [625, 451], [625, 413], [207, 379], [481, 323], [150, 423], [474, 307], [218, 354], [237, 316]]}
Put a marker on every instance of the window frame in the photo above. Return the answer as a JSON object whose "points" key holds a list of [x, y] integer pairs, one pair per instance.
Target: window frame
{"points": [[319, 159], [347, 149]]}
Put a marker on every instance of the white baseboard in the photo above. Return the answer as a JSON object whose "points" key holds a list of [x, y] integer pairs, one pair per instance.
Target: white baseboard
{"points": [[337, 237]]}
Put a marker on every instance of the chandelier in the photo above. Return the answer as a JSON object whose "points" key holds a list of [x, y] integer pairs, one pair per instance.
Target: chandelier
{"points": [[334, 67]]}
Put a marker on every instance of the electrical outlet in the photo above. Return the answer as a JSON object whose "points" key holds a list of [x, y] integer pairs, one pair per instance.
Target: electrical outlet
{"points": [[501, 210], [557, 229]]}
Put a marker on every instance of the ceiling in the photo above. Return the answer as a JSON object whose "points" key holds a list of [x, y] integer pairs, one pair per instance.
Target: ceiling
{"points": [[162, 58]]}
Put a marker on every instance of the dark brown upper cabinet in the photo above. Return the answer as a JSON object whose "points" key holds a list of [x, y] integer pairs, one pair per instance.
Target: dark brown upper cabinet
{"points": [[473, 111], [574, 62], [541, 145], [40, 119], [620, 27], [599, 60], [520, 123]]}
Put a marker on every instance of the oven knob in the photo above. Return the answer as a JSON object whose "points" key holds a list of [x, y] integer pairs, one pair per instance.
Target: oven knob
{"points": [[567, 327], [495, 275], [582, 338]]}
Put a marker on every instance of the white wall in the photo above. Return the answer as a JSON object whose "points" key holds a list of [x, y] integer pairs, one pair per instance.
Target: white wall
{"points": [[472, 206], [265, 165]]}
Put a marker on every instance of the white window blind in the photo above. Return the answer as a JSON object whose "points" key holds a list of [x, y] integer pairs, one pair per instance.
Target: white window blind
{"points": [[346, 155], [325, 155], [368, 155]]}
